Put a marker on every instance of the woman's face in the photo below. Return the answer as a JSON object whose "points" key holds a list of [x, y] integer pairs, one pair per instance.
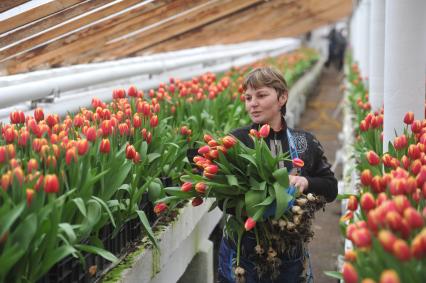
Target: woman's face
{"points": [[264, 105]]}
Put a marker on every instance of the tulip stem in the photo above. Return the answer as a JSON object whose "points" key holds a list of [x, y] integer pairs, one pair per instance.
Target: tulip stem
{"points": [[240, 236]]}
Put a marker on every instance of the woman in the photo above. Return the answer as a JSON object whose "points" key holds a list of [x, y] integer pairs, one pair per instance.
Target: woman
{"points": [[266, 96]]}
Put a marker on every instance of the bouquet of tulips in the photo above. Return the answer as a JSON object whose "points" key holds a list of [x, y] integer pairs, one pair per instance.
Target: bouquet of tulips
{"points": [[248, 183]]}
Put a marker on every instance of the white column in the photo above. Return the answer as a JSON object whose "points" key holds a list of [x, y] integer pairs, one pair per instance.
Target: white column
{"points": [[365, 39], [405, 60], [357, 47], [377, 53]]}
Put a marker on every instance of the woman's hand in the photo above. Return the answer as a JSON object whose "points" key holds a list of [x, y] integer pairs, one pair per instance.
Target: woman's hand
{"points": [[300, 182]]}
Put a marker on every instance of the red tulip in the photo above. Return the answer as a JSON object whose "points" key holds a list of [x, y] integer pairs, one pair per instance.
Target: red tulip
{"points": [[416, 126], [160, 207], [118, 93], [200, 187], [413, 152], [363, 126], [367, 201], [137, 121], [298, 163], [32, 165], [91, 134], [394, 220], [130, 152], [418, 246], [352, 203], [361, 238], [132, 91], [249, 224], [401, 250], [52, 120], [415, 167], [71, 155], [203, 150], [207, 138], [105, 146], [366, 177], [397, 186], [349, 273], [211, 169], [228, 141], [197, 201], [372, 158], [38, 114], [387, 159], [409, 118], [400, 142], [82, 147], [389, 276], [51, 183], [386, 239], [30, 195], [350, 255], [254, 133], [186, 187], [413, 217], [154, 121], [17, 117], [3, 154], [5, 181], [264, 131]]}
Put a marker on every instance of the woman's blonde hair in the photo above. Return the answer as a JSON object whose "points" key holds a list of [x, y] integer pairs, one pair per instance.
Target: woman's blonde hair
{"points": [[269, 77]]}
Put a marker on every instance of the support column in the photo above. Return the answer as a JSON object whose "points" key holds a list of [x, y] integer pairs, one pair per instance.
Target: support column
{"points": [[377, 53], [405, 58], [365, 35]]}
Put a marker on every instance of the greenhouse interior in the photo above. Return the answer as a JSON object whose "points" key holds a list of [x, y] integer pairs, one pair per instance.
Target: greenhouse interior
{"points": [[204, 141]]}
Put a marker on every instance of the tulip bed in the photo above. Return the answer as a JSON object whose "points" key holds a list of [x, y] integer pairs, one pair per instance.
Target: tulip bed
{"points": [[385, 221], [70, 186]]}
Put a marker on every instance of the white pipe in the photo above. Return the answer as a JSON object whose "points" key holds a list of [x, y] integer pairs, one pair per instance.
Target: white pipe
{"points": [[12, 95], [41, 74], [73, 103]]}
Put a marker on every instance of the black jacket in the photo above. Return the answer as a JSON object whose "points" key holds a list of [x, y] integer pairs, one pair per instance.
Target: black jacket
{"points": [[316, 169]]}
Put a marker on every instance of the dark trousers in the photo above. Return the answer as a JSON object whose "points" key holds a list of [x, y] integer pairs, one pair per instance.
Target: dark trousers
{"points": [[291, 270]]}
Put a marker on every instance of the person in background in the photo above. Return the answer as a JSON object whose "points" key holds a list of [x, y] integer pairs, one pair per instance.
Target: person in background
{"points": [[266, 96]]}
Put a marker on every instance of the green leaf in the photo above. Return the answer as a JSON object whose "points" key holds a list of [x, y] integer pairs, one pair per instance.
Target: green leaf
{"points": [[282, 198], [147, 227], [266, 202], [177, 191], [250, 159], [281, 175], [213, 206], [334, 274], [232, 180], [93, 216], [95, 250], [52, 258], [80, 205], [252, 198], [154, 191], [106, 207], [68, 230], [9, 218], [9, 257], [153, 156], [344, 196]]}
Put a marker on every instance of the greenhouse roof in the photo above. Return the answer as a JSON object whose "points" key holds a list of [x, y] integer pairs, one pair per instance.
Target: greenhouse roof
{"points": [[41, 34]]}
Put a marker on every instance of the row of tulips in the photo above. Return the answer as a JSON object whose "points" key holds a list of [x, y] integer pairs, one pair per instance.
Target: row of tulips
{"points": [[62, 180], [386, 221]]}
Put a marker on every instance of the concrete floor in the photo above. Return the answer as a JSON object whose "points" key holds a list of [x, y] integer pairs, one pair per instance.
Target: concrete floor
{"points": [[323, 118]]}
